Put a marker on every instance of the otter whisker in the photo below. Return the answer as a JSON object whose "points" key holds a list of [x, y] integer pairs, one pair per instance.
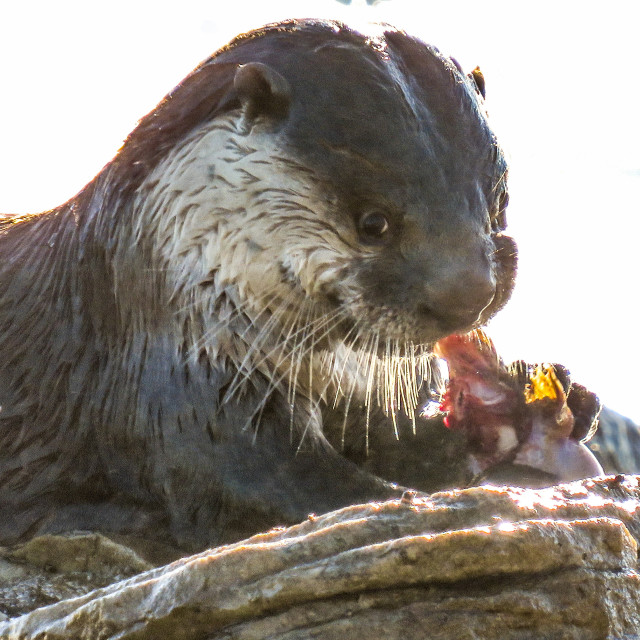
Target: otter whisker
{"points": [[268, 355], [369, 388], [316, 407], [296, 359], [346, 359], [243, 371], [256, 342], [360, 356], [408, 388], [331, 320], [296, 354], [225, 320], [300, 336], [389, 367]]}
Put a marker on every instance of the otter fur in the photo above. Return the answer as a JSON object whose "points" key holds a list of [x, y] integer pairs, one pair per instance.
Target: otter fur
{"points": [[229, 327]]}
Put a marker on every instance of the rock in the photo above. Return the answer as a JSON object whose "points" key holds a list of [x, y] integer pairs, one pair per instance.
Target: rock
{"points": [[484, 562], [50, 568], [81, 552], [616, 443]]}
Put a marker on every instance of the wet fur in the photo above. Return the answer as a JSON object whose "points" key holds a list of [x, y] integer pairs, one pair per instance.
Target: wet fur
{"points": [[183, 342]]}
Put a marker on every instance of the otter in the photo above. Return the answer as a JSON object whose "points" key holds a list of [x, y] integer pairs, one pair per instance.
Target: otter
{"points": [[230, 326]]}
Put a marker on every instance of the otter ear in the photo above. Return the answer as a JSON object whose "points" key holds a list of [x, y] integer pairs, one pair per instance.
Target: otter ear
{"points": [[262, 91], [478, 79]]}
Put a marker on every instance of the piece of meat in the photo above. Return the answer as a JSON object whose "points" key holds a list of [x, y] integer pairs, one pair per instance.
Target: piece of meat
{"points": [[524, 424]]}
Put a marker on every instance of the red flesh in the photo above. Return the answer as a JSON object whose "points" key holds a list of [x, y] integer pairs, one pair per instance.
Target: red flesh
{"points": [[486, 400]]}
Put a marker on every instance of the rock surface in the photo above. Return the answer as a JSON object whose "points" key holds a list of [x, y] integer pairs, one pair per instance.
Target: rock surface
{"points": [[484, 562], [616, 443], [52, 568]]}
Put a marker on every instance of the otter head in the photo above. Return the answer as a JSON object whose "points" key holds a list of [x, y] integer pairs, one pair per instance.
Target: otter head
{"points": [[412, 182], [349, 181]]}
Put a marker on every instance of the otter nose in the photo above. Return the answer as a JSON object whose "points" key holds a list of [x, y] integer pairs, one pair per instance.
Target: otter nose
{"points": [[457, 301]]}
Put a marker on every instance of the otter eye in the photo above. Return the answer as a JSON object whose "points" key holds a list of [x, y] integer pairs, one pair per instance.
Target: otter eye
{"points": [[374, 225]]}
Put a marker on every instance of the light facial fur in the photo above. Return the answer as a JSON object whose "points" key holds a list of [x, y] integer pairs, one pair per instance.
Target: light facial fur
{"points": [[250, 225]]}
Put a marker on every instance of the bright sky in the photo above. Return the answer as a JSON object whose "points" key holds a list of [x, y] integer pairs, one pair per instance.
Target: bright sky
{"points": [[563, 94]]}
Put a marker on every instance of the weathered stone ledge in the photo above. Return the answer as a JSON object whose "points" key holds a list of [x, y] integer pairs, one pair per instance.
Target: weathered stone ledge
{"points": [[476, 563]]}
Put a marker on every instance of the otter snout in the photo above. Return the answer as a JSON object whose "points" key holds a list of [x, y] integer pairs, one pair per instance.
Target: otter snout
{"points": [[430, 292], [452, 283], [457, 298]]}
